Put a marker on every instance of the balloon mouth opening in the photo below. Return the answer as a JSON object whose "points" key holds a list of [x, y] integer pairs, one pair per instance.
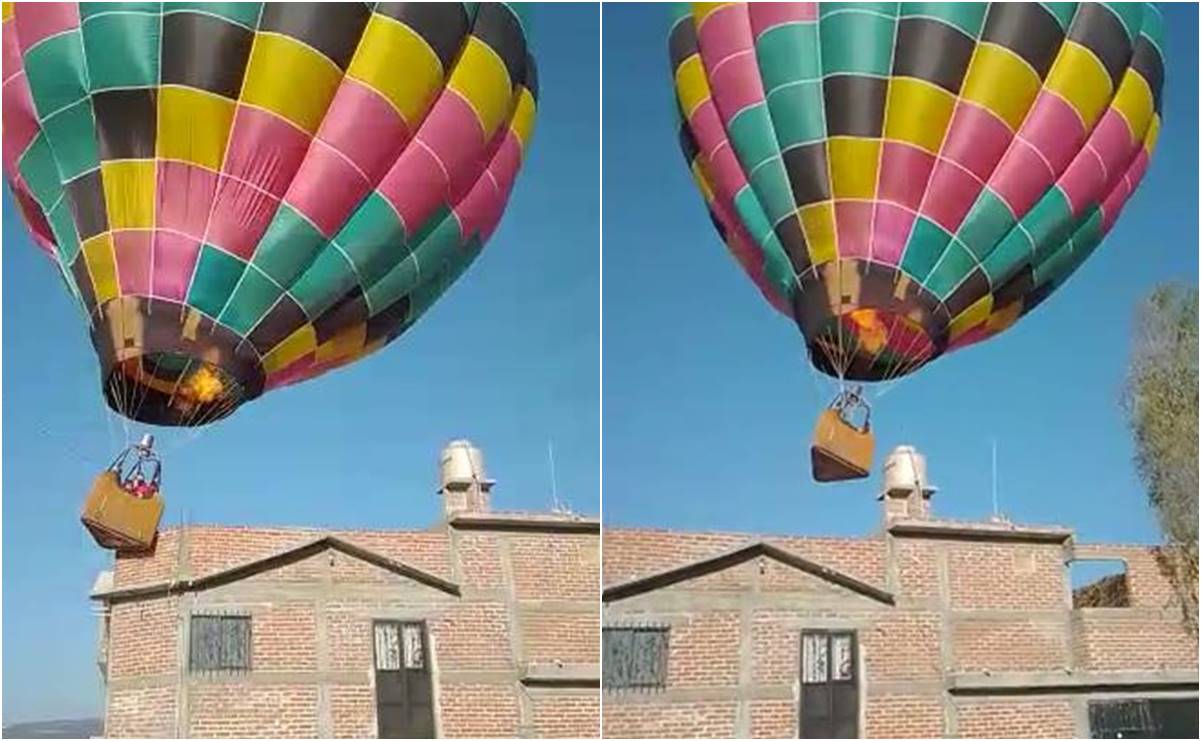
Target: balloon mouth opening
{"points": [[866, 344], [164, 363], [172, 389]]}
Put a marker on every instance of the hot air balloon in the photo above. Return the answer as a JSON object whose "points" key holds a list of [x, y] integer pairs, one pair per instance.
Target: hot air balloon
{"points": [[241, 196], [906, 179], [246, 195]]}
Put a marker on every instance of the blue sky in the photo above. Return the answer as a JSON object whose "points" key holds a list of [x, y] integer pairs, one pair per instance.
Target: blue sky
{"points": [[708, 399], [508, 358]]}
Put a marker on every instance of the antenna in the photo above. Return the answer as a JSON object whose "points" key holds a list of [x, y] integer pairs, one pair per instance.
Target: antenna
{"points": [[554, 486], [996, 513]]}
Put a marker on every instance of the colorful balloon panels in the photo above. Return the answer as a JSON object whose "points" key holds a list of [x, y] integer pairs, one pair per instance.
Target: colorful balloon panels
{"points": [[246, 195], [904, 179]]}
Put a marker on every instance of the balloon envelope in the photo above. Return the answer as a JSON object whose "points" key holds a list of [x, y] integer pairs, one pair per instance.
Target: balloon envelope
{"points": [[245, 195], [903, 179]]}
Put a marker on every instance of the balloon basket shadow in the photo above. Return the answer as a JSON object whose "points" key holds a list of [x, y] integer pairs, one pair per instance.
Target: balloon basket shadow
{"points": [[841, 451], [119, 520]]}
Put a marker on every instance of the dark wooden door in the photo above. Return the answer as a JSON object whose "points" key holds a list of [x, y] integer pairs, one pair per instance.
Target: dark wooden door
{"points": [[404, 694], [829, 685]]}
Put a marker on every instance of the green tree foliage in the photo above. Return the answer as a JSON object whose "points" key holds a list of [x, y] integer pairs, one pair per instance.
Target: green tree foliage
{"points": [[1161, 406]]}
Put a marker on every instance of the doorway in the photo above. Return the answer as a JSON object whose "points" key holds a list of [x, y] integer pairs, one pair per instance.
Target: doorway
{"points": [[829, 706], [404, 695]]}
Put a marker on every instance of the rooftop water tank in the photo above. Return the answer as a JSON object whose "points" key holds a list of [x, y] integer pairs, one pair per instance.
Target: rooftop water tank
{"points": [[905, 471], [462, 465]]}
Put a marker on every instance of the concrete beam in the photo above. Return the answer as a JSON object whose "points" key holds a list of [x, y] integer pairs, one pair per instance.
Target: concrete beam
{"points": [[1067, 681], [950, 530], [520, 522], [544, 673], [698, 694]]}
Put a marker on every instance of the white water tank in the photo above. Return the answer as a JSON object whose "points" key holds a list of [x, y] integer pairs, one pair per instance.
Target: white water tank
{"points": [[462, 465], [905, 470]]}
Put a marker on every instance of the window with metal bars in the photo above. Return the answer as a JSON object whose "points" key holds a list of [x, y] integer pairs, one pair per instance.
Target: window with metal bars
{"points": [[1143, 718], [399, 646], [219, 643], [634, 658]]}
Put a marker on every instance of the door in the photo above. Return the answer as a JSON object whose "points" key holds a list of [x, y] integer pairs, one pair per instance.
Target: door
{"points": [[404, 695], [829, 685]]}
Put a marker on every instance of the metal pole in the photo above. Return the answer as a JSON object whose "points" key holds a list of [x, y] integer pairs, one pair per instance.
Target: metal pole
{"points": [[554, 486], [995, 505]]}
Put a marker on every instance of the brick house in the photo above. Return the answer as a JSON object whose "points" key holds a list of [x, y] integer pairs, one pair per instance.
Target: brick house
{"points": [[929, 628], [484, 625]]}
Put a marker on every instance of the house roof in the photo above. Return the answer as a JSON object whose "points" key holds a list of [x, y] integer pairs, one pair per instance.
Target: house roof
{"points": [[725, 560], [274, 561]]}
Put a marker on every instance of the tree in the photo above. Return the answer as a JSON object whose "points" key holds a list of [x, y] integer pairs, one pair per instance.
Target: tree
{"points": [[1161, 406]]}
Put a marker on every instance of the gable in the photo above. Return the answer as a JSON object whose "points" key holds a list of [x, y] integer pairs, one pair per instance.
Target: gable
{"points": [[324, 561], [757, 567], [323, 569]]}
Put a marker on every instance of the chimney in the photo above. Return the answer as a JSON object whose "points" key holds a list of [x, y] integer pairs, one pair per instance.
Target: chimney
{"points": [[463, 486], [907, 490]]}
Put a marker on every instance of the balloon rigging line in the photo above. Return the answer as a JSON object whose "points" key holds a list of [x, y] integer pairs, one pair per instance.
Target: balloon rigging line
{"points": [[144, 386], [890, 361], [180, 376]]}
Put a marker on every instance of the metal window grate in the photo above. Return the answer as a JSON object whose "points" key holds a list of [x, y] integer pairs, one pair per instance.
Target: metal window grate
{"points": [[399, 646], [634, 658], [827, 656], [219, 643], [1143, 718]]}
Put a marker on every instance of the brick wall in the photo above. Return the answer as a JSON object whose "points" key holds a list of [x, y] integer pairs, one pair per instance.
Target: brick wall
{"points": [[283, 637], [563, 716], [1010, 645], [140, 713], [1006, 576], [569, 637], [479, 710], [523, 599], [143, 639], [1145, 634], [1114, 638], [698, 719], [232, 710], [550, 567], [773, 719], [970, 606], [1016, 719], [353, 710], [904, 716], [964, 607], [635, 552], [207, 549]]}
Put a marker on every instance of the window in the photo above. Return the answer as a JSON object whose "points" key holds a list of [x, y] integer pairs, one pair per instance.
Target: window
{"points": [[219, 643], [1099, 582], [827, 657], [634, 658], [399, 646], [1143, 718]]}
